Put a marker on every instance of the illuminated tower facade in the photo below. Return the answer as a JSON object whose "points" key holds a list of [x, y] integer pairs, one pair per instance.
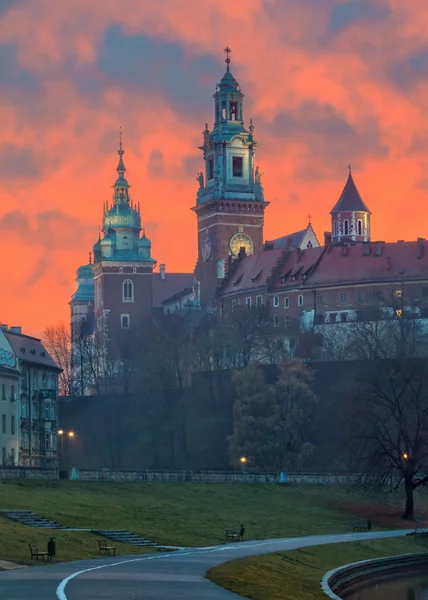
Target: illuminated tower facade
{"points": [[230, 201]]}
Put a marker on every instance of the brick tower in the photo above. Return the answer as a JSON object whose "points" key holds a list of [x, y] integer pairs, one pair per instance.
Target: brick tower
{"points": [[230, 201]]}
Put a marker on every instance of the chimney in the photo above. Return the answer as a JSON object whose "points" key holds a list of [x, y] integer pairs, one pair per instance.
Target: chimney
{"points": [[268, 246], [4, 327], [327, 238], [162, 271], [420, 247], [15, 329]]}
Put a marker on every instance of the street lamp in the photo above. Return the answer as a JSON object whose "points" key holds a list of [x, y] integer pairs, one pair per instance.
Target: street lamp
{"points": [[405, 456], [71, 434], [243, 461]]}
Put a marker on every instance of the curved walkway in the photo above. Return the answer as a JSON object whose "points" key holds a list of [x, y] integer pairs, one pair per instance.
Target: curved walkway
{"points": [[172, 576]]}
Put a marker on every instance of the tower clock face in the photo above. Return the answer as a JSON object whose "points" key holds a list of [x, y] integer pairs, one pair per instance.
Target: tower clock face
{"points": [[207, 248], [238, 241]]}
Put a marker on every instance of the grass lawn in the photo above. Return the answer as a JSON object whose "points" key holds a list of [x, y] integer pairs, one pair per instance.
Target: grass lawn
{"points": [[184, 514], [296, 575]]}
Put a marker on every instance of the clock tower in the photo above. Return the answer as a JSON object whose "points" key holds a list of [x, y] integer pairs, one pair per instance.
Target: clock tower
{"points": [[230, 201]]}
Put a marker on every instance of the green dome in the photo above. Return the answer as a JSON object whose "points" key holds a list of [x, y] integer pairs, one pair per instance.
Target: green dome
{"points": [[144, 242], [85, 272], [121, 215], [106, 241]]}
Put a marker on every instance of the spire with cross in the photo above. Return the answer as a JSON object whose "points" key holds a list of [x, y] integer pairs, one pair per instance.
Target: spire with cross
{"points": [[227, 50]]}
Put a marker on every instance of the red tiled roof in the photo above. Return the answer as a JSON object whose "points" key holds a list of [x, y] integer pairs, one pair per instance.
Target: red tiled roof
{"points": [[168, 287], [252, 272], [30, 349], [298, 268], [394, 261]]}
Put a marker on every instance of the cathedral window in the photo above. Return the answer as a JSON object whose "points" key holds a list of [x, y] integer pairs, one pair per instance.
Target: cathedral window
{"points": [[237, 166], [125, 321], [359, 227], [346, 227], [210, 170], [127, 291]]}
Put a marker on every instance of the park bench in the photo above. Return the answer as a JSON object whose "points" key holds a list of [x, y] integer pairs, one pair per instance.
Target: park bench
{"points": [[104, 548], [35, 552], [359, 526], [235, 536]]}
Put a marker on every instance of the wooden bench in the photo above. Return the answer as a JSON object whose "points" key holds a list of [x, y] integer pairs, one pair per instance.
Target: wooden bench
{"points": [[359, 526], [235, 536], [35, 552], [104, 548]]}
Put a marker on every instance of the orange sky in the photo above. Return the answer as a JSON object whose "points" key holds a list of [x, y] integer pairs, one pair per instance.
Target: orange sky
{"points": [[327, 82]]}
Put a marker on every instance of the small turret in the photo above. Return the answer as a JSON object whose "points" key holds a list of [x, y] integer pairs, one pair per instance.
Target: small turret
{"points": [[350, 216]]}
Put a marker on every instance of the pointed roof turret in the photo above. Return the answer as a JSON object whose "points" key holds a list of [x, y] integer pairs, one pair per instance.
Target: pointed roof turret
{"points": [[350, 199]]}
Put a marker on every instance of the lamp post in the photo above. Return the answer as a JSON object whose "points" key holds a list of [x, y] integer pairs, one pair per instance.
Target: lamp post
{"points": [[62, 434], [243, 461]]}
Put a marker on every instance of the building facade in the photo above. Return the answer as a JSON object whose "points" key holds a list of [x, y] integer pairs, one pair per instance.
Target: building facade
{"points": [[28, 401], [301, 283]]}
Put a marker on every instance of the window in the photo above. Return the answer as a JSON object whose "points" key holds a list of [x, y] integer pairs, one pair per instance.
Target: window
{"points": [[12, 393], [99, 293], [233, 305], [134, 269], [125, 242], [346, 227], [237, 166], [343, 317], [233, 110], [344, 297], [398, 293], [3, 423], [47, 441], [127, 291], [120, 269], [53, 412], [24, 410], [248, 302], [300, 300], [35, 411], [276, 301], [47, 411], [34, 381], [309, 244], [12, 424], [335, 228], [333, 317], [360, 296], [210, 170], [286, 302], [124, 321], [276, 321], [3, 391], [287, 323], [3, 456], [320, 299], [259, 300], [398, 313], [359, 227]]}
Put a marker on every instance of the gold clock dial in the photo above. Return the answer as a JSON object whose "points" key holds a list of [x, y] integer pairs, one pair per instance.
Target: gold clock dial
{"points": [[238, 241]]}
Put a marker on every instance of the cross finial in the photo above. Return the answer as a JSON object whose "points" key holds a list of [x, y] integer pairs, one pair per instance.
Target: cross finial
{"points": [[228, 51], [309, 218], [90, 258], [349, 169], [251, 127], [120, 140]]}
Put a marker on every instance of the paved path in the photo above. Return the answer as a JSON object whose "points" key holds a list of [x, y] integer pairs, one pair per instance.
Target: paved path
{"points": [[159, 576]]}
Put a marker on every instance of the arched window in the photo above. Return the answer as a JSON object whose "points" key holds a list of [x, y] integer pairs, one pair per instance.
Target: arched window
{"points": [[134, 269], [128, 291], [360, 227], [346, 227], [335, 228], [120, 269]]}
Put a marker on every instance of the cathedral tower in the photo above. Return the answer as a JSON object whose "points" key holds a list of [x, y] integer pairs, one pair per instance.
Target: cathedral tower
{"points": [[230, 201], [350, 217], [122, 265]]}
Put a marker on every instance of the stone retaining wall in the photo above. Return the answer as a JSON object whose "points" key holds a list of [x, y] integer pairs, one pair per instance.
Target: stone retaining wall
{"points": [[28, 473], [213, 476], [339, 583]]}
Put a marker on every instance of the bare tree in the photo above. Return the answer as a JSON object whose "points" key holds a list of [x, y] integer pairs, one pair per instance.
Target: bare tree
{"points": [[391, 428], [57, 339]]}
